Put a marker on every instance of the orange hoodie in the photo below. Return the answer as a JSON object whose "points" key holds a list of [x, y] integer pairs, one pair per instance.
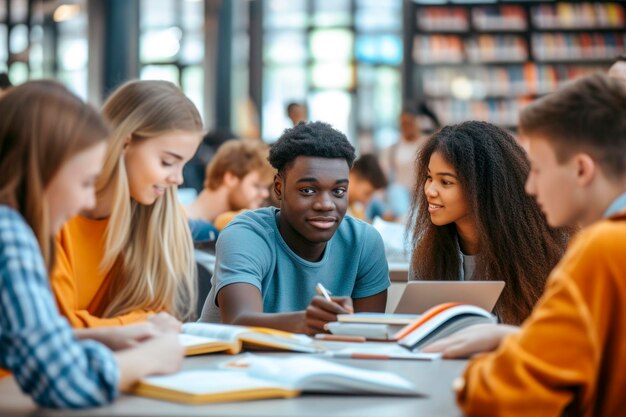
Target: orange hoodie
{"points": [[570, 356]]}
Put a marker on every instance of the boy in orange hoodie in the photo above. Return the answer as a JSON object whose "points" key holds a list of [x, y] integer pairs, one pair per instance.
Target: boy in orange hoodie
{"points": [[568, 358]]}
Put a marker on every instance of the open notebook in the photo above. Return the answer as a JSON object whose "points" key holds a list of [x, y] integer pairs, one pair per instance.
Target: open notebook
{"points": [[201, 338], [256, 377]]}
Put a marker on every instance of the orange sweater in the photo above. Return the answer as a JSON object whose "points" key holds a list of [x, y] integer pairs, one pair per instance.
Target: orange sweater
{"points": [[77, 281], [570, 355]]}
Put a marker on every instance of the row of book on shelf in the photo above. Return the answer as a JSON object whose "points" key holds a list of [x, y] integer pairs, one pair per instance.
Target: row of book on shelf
{"points": [[562, 15], [503, 112], [503, 81], [437, 49]]}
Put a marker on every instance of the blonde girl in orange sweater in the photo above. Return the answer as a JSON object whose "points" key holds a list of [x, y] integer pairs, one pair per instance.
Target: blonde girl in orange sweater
{"points": [[130, 258]]}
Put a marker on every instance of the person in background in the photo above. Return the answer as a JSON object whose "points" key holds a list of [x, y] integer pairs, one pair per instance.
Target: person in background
{"points": [[52, 148], [472, 220], [398, 164], [270, 260], [297, 112], [130, 258], [238, 178], [194, 171], [568, 357], [5, 83], [618, 69], [366, 177]]}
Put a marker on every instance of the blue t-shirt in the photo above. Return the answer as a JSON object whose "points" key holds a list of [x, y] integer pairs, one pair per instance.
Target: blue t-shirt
{"points": [[251, 250]]}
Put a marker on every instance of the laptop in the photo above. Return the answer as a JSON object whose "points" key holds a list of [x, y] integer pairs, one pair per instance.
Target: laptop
{"points": [[419, 296]]}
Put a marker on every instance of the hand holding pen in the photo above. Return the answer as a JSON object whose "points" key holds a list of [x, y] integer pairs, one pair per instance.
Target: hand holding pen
{"points": [[324, 309]]}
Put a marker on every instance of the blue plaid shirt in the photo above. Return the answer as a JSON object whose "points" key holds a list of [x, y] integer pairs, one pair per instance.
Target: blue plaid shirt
{"points": [[36, 344]]}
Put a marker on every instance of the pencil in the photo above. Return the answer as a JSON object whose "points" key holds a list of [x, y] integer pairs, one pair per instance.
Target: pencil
{"points": [[323, 291]]}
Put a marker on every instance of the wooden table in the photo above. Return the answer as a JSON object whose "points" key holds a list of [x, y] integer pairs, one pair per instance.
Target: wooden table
{"points": [[433, 379]]}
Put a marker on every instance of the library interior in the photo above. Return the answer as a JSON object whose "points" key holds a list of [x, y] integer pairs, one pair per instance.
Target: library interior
{"points": [[305, 208]]}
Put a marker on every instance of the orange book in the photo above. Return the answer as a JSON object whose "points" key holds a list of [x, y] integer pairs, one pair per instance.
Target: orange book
{"points": [[441, 321]]}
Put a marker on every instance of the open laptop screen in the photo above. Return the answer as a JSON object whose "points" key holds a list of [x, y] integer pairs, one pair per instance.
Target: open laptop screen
{"points": [[419, 296]]}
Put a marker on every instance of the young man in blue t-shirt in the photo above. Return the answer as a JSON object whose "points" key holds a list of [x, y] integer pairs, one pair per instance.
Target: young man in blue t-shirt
{"points": [[270, 260]]}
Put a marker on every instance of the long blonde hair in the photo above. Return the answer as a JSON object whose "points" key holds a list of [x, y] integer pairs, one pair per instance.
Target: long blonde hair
{"points": [[149, 250], [42, 126]]}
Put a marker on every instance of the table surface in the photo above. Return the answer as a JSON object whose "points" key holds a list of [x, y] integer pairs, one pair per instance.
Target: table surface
{"points": [[433, 379]]}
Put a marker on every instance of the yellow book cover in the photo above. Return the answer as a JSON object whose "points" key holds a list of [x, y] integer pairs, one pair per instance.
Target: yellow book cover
{"points": [[201, 338], [254, 377]]}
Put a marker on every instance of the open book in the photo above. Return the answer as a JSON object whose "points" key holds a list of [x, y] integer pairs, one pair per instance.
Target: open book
{"points": [[199, 338], [436, 323], [381, 350], [256, 377], [441, 321]]}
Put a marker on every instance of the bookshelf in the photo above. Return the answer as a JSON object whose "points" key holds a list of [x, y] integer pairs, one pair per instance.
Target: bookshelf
{"points": [[487, 60]]}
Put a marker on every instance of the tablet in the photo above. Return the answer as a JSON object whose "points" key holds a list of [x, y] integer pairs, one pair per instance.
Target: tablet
{"points": [[419, 296]]}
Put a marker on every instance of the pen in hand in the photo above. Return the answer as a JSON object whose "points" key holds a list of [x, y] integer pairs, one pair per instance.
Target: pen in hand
{"points": [[321, 290]]}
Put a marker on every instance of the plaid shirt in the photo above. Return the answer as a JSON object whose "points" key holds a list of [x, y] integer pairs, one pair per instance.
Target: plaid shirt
{"points": [[36, 344]]}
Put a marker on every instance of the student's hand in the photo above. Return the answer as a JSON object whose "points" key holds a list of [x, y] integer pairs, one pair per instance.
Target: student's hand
{"points": [[166, 353], [162, 354], [120, 337], [322, 311], [471, 340], [165, 322], [124, 337]]}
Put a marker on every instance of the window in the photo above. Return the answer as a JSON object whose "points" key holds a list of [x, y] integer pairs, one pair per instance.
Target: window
{"points": [[339, 57], [171, 45]]}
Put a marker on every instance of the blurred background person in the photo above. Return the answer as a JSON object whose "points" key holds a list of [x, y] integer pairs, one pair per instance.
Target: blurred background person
{"points": [[398, 163], [366, 177], [297, 112], [237, 178], [5, 83], [193, 173], [618, 69]]}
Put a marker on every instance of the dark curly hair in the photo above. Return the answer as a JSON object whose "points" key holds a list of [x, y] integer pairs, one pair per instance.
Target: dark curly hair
{"points": [[310, 139], [516, 244]]}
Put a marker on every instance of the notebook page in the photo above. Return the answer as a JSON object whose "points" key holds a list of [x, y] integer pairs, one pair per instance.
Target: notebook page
{"points": [[295, 342], [223, 332], [188, 340], [209, 381], [318, 375]]}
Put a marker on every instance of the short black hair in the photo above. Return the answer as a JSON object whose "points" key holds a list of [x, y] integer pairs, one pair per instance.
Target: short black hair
{"points": [[293, 104], [368, 168], [5, 82], [317, 139]]}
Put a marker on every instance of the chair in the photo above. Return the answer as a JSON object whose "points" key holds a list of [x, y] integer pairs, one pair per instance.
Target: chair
{"points": [[204, 286]]}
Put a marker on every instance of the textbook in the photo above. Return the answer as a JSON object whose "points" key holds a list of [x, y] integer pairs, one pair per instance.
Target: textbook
{"points": [[372, 331], [199, 338], [256, 377], [436, 323], [379, 318], [375, 326], [441, 321]]}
